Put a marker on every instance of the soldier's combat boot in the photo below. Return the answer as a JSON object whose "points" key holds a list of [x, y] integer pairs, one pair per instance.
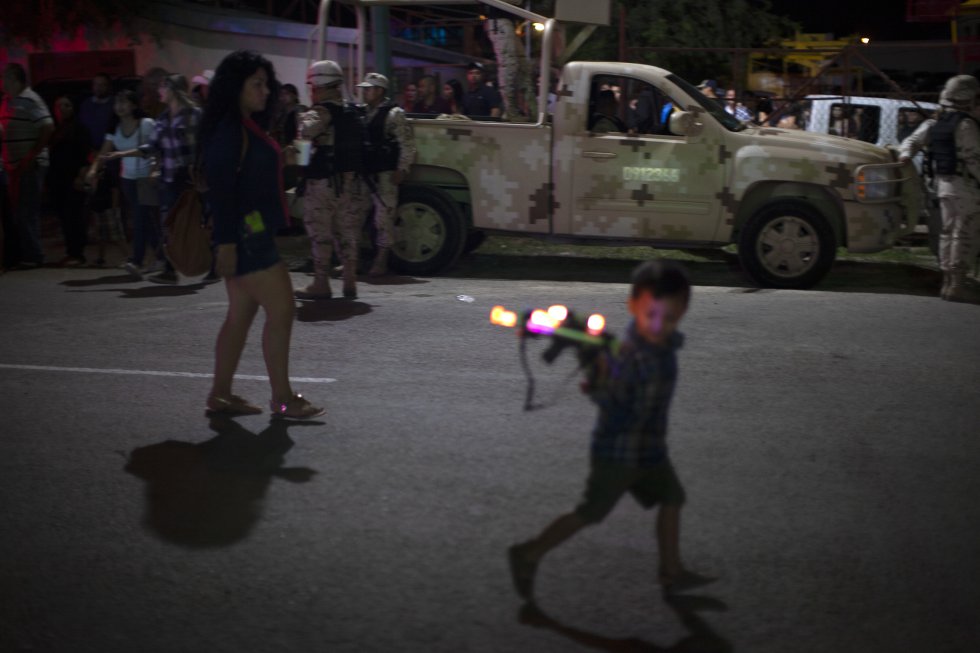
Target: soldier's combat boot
{"points": [[318, 289], [380, 266], [350, 279], [957, 288]]}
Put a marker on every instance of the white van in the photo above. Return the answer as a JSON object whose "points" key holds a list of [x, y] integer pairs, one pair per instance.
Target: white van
{"points": [[875, 120]]}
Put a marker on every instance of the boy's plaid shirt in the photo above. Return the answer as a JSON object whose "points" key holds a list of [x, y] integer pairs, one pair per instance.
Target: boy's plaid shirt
{"points": [[174, 140], [631, 428]]}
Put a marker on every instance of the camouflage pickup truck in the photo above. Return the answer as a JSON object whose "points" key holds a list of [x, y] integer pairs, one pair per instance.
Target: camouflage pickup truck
{"points": [[692, 177], [634, 154]]}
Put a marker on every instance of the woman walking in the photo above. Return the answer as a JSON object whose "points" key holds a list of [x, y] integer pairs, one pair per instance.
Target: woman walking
{"points": [[243, 171]]}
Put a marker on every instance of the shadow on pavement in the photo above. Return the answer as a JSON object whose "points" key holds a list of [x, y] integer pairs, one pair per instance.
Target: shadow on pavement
{"points": [[147, 292], [390, 280], [100, 281], [846, 276], [701, 638], [330, 310], [543, 268], [209, 494]]}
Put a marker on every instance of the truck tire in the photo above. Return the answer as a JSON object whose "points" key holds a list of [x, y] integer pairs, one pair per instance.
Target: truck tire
{"points": [[787, 245], [430, 231]]}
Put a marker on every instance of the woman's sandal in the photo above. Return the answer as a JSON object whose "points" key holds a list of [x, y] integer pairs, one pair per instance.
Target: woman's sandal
{"points": [[295, 408], [231, 405]]}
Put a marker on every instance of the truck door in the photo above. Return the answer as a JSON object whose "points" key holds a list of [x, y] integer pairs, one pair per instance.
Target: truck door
{"points": [[652, 185]]}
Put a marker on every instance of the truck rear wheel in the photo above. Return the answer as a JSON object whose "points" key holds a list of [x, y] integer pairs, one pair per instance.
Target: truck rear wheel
{"points": [[430, 231], [787, 245]]}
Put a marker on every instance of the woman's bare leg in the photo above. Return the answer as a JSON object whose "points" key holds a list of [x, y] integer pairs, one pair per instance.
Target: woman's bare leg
{"points": [[272, 289], [232, 336]]}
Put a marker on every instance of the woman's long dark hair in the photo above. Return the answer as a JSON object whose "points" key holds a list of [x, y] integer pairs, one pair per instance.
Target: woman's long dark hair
{"points": [[226, 89], [132, 98]]}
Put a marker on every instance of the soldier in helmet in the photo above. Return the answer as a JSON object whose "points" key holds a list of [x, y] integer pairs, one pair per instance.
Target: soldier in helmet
{"points": [[336, 198], [953, 143], [389, 153]]}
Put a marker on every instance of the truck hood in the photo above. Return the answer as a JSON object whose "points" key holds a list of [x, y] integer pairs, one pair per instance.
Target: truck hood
{"points": [[805, 142]]}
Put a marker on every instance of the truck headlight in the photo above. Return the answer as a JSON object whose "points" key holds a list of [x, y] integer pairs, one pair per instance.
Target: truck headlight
{"points": [[874, 183]]}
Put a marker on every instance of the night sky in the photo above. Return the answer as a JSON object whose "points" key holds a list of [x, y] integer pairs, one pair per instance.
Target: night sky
{"points": [[878, 19]]}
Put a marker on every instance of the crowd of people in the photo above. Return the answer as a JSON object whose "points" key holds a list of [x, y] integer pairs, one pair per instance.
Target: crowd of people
{"points": [[111, 166], [480, 98], [758, 109], [118, 162]]}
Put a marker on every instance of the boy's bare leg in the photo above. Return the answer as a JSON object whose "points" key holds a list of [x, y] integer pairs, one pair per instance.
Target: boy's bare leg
{"points": [[669, 541], [524, 557], [673, 576], [553, 535]]}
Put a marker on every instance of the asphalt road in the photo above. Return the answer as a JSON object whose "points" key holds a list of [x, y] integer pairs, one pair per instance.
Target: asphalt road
{"points": [[828, 441]]}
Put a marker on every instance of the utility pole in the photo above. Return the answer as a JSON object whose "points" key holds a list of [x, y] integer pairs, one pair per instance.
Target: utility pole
{"points": [[527, 33], [381, 36], [622, 31]]}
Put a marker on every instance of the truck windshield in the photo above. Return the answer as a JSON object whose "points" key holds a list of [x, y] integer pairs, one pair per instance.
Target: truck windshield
{"points": [[729, 122]]}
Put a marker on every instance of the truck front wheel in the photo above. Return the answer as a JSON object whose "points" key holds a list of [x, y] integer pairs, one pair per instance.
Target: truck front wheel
{"points": [[787, 245], [430, 231]]}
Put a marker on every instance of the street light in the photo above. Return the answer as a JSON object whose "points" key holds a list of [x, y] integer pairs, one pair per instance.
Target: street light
{"points": [[865, 40]]}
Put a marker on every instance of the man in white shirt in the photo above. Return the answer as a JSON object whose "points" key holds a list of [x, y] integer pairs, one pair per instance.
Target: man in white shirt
{"points": [[27, 127]]}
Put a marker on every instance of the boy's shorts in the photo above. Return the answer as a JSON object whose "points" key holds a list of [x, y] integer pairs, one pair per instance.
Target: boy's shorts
{"points": [[608, 482]]}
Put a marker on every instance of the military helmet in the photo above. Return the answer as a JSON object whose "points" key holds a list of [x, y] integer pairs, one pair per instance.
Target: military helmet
{"points": [[960, 90], [324, 73], [374, 79]]}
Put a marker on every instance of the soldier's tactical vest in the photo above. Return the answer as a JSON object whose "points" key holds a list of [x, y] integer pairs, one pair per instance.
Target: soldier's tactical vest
{"points": [[380, 152], [942, 143], [347, 152]]}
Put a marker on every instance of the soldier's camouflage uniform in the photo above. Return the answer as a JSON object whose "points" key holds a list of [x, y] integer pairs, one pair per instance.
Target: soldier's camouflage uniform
{"points": [[959, 196], [385, 199], [513, 70], [333, 208]]}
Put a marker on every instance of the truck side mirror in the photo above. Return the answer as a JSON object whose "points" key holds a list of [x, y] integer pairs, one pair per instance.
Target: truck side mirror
{"points": [[683, 123]]}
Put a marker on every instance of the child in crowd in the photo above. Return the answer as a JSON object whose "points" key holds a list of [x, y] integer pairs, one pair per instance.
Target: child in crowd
{"points": [[632, 388], [107, 227]]}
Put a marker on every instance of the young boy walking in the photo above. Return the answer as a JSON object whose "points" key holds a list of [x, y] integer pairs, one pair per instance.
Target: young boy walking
{"points": [[632, 389]]}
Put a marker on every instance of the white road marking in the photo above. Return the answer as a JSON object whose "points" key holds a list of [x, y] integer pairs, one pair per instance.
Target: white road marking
{"points": [[188, 375]]}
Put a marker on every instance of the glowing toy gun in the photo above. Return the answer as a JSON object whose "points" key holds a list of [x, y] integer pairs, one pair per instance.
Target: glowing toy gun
{"points": [[564, 328]]}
